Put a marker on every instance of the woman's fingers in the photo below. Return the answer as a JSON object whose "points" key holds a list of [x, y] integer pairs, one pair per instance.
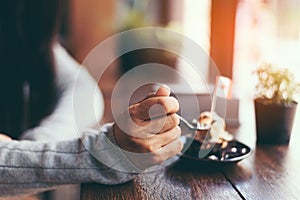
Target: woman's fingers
{"points": [[166, 138], [163, 91], [153, 107], [167, 151], [152, 134], [158, 125], [150, 158], [4, 137], [156, 142]]}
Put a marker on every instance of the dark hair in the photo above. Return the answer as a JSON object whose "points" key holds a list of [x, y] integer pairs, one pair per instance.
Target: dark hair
{"points": [[27, 74]]}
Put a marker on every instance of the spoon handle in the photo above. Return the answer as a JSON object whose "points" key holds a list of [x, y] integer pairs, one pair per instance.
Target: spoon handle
{"points": [[199, 127], [190, 126]]}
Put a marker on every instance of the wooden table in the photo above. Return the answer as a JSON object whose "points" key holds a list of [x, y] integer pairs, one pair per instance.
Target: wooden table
{"points": [[270, 172]]}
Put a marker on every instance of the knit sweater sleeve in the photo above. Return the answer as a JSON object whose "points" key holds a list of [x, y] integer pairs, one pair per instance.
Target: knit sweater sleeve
{"points": [[58, 151], [34, 166]]}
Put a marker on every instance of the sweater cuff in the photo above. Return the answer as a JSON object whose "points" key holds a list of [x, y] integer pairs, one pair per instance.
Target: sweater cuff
{"points": [[104, 148], [141, 159]]}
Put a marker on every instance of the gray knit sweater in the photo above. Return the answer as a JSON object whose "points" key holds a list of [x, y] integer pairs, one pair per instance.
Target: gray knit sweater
{"points": [[33, 166], [58, 151]]}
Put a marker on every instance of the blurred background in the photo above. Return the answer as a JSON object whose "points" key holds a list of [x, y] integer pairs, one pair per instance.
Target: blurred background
{"points": [[238, 34]]}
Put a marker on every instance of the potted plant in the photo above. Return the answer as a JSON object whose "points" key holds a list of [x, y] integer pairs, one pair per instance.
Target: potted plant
{"points": [[275, 105]]}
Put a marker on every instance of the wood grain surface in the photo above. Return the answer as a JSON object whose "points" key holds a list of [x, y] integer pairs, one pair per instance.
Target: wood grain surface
{"points": [[181, 181], [270, 172]]}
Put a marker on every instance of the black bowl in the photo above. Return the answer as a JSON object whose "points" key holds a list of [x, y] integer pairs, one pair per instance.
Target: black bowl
{"points": [[234, 152]]}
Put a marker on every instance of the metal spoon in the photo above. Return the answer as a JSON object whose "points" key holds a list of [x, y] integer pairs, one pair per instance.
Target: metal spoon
{"points": [[198, 127]]}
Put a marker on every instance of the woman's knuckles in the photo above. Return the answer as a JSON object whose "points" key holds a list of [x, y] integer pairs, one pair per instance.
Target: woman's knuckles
{"points": [[141, 110]]}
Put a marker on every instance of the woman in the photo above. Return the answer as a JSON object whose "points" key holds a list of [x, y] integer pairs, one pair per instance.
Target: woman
{"points": [[36, 106]]}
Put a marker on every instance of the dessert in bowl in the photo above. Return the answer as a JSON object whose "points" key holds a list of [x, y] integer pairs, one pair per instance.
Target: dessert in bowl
{"points": [[215, 143]]}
